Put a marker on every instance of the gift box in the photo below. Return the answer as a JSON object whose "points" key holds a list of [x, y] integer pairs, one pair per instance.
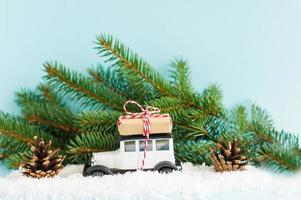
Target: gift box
{"points": [[134, 126]]}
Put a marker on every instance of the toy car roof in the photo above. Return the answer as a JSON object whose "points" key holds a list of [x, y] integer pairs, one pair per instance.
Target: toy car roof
{"points": [[141, 137]]}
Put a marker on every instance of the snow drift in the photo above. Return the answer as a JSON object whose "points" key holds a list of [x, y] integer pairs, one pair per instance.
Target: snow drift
{"points": [[192, 183]]}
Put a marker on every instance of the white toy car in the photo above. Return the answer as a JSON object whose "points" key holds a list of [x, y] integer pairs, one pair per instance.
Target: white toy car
{"points": [[159, 157]]}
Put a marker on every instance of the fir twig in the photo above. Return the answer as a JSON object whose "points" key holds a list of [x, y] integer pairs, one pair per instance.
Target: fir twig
{"points": [[40, 111], [123, 57], [80, 88], [180, 75], [20, 130]]}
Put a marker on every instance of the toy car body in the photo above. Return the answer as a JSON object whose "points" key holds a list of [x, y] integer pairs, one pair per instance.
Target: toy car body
{"points": [[159, 156]]}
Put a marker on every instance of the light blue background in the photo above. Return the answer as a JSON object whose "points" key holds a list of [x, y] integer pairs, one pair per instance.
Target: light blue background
{"points": [[251, 48]]}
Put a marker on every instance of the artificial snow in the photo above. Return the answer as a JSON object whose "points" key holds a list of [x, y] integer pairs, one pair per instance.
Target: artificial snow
{"points": [[192, 183]]}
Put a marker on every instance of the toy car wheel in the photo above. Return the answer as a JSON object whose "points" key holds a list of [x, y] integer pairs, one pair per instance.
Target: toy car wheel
{"points": [[165, 170], [97, 173]]}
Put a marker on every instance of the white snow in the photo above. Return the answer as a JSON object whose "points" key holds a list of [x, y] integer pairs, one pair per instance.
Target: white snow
{"points": [[192, 183]]}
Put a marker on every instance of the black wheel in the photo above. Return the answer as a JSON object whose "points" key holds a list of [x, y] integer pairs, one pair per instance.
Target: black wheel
{"points": [[165, 170], [86, 166], [97, 173]]}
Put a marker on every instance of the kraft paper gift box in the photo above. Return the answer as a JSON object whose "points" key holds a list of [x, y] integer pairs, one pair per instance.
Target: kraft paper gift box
{"points": [[134, 126]]}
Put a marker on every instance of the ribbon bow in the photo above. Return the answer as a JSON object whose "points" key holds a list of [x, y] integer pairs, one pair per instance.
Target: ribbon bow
{"points": [[148, 109], [146, 113]]}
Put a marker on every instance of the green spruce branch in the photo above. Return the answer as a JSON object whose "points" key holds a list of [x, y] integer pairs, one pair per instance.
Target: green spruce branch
{"points": [[121, 56], [78, 113], [44, 112], [79, 88]]}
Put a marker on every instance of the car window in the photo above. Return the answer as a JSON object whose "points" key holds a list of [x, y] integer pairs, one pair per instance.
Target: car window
{"points": [[129, 146], [149, 145], [162, 145]]}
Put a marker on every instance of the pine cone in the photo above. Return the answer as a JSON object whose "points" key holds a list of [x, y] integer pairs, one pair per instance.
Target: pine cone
{"points": [[228, 157], [44, 162]]}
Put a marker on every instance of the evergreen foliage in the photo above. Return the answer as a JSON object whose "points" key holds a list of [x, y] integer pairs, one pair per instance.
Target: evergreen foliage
{"points": [[78, 113]]}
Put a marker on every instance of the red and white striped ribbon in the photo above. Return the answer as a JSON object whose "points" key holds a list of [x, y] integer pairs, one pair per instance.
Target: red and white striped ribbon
{"points": [[146, 113]]}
